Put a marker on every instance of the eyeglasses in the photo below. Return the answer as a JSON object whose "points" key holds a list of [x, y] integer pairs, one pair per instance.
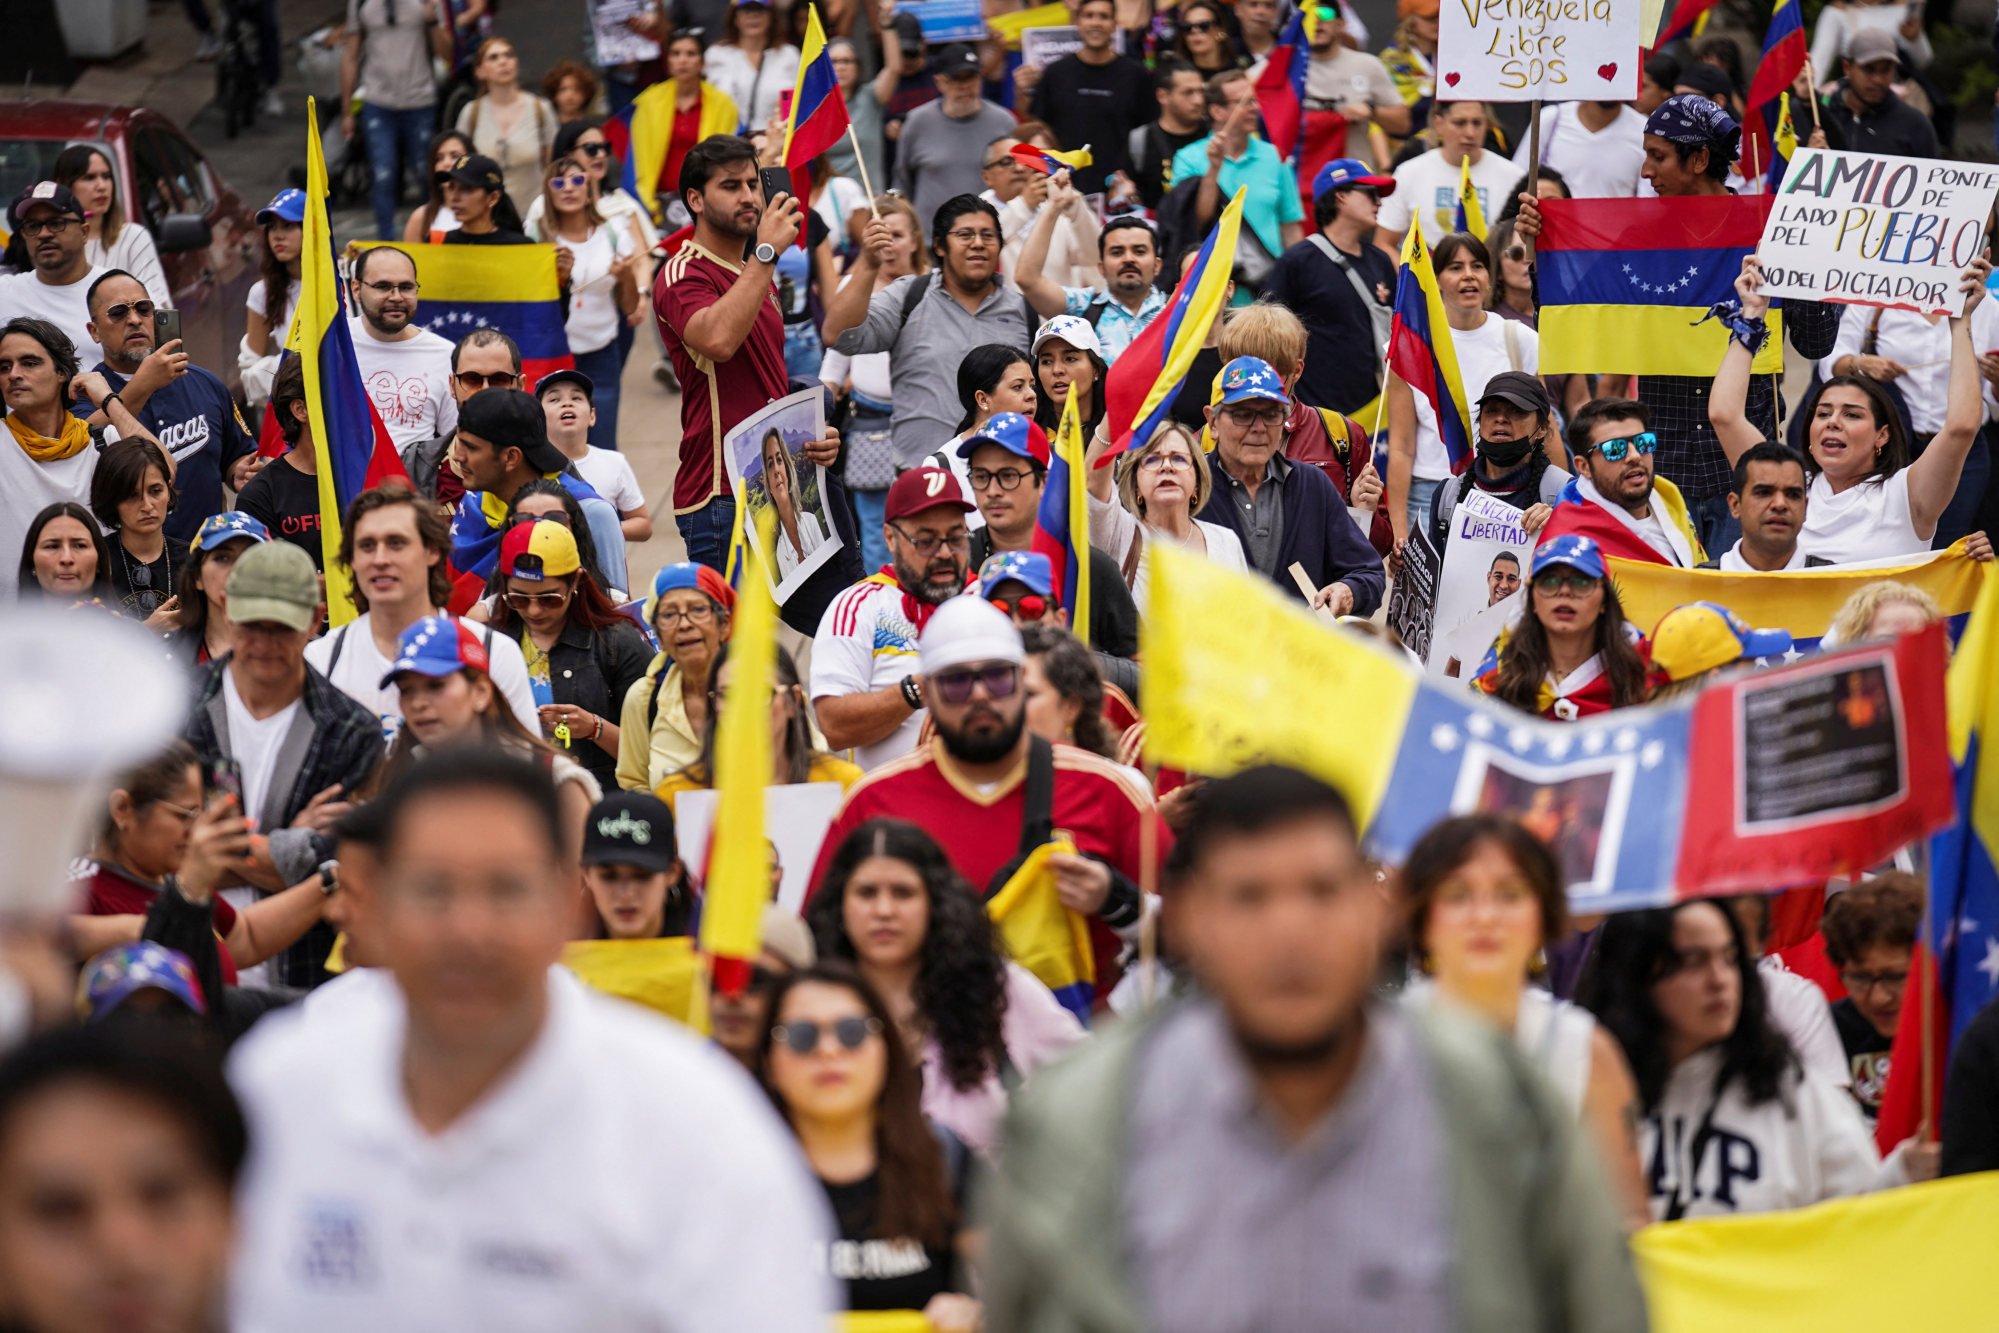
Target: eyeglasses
{"points": [[693, 615], [1005, 160], [391, 288], [804, 1036], [1562, 578], [955, 687], [1007, 477], [187, 814], [594, 149], [116, 313], [1859, 983], [1198, 25], [1246, 417], [48, 226], [966, 236], [1165, 463], [568, 182], [1028, 606], [1516, 253], [1613, 451], [527, 601], [473, 380], [925, 547]]}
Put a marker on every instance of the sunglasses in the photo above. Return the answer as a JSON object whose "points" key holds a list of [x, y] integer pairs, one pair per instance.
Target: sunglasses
{"points": [[594, 149], [803, 1037], [1028, 606], [116, 313], [1199, 25], [1562, 578], [955, 687], [473, 380], [1613, 451], [527, 601], [568, 182]]}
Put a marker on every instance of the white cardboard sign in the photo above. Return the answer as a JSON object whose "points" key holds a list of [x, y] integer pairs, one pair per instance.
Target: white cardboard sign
{"points": [[1485, 561], [1546, 50]]}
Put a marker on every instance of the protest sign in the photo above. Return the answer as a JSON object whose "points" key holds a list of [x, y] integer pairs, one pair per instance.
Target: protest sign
{"points": [[617, 43], [1041, 47], [1529, 50], [1457, 655], [796, 818], [1412, 602], [1485, 561], [1875, 230], [947, 20]]}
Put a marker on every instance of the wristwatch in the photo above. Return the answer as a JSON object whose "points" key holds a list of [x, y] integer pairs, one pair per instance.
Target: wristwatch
{"points": [[912, 693], [329, 877], [764, 253]]}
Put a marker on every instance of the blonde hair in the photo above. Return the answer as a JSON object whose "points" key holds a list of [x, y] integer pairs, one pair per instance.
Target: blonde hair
{"points": [[1855, 619], [886, 204], [1266, 331], [1127, 475]]}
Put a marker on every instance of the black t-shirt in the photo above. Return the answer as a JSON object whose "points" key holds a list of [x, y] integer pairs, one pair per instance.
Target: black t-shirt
{"points": [[1341, 359], [1150, 175], [881, 1274], [286, 501], [459, 236], [1866, 1055], [1196, 388], [139, 588], [1098, 105]]}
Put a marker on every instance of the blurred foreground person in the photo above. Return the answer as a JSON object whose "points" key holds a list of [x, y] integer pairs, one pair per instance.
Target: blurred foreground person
{"points": [[1286, 1148], [483, 1144]]}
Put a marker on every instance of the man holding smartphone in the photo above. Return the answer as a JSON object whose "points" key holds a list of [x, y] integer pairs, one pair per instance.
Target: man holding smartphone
{"points": [[188, 409]]}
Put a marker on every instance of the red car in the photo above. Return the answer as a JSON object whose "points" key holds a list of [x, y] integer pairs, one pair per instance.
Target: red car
{"points": [[207, 236]]}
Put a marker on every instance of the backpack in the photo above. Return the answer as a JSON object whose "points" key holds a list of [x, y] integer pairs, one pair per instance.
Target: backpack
{"points": [[914, 296]]}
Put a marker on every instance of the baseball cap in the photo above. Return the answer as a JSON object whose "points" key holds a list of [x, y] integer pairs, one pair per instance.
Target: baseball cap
{"points": [[478, 172], [274, 581], [285, 205], [967, 629], [1872, 44], [630, 828], [687, 574], [1701, 636], [1571, 550], [509, 419], [1071, 329], [923, 488], [1031, 568], [555, 377], [1342, 172], [120, 972], [436, 646], [908, 32], [954, 59], [1249, 377], [788, 937], [44, 194], [1519, 388], [1012, 432], [227, 526], [543, 549]]}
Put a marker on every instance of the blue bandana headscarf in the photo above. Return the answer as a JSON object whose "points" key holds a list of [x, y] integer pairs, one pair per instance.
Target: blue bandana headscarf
{"points": [[1693, 121]]}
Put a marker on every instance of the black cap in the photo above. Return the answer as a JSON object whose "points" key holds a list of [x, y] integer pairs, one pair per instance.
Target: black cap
{"points": [[1708, 80], [477, 172], [509, 419], [1519, 388], [44, 194], [955, 58], [630, 828], [908, 33], [555, 377]]}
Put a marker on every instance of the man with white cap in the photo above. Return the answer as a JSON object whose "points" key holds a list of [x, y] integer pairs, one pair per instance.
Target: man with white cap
{"points": [[990, 792]]}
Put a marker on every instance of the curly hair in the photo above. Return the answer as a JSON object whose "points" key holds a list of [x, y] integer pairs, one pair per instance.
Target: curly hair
{"points": [[1855, 618], [1885, 910], [960, 988], [1072, 672]]}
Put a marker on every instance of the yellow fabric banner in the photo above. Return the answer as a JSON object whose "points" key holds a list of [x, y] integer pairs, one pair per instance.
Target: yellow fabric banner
{"points": [[662, 974], [738, 883], [881, 1321], [1040, 933]]}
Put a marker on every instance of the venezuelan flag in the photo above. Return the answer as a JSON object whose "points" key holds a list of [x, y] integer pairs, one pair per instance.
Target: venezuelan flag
{"points": [[1280, 85], [1420, 349], [1471, 213], [1688, 18], [1044, 936], [1062, 523], [512, 288], [818, 110], [1783, 56], [1048, 162], [1139, 391], [1786, 146], [355, 451], [1625, 281]]}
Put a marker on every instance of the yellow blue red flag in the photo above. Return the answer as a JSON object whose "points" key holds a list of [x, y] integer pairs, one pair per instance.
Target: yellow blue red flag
{"points": [[1062, 522], [818, 115], [1043, 935], [1471, 213], [1048, 161], [1421, 351]]}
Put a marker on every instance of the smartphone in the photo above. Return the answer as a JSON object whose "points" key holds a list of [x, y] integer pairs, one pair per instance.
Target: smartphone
{"points": [[166, 326], [224, 777], [775, 181]]}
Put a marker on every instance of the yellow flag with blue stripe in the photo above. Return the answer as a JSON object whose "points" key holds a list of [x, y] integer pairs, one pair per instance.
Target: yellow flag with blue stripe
{"points": [[1471, 214], [1043, 935]]}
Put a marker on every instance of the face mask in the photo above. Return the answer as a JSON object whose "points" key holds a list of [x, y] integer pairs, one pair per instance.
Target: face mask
{"points": [[1505, 454]]}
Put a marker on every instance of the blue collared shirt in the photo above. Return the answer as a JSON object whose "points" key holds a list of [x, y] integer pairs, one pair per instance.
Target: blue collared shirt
{"points": [[1116, 327]]}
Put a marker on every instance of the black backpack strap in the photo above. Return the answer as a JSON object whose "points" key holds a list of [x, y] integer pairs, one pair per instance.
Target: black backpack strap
{"points": [[339, 646], [1037, 812], [914, 296]]}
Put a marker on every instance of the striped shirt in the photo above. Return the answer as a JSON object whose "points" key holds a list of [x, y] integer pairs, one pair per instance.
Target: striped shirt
{"points": [[866, 642]]}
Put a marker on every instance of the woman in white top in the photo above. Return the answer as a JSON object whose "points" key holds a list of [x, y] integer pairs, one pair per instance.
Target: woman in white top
{"points": [[111, 240], [1485, 344], [1733, 1122], [274, 297], [584, 140], [1839, 22], [1160, 485], [1485, 897], [514, 127], [597, 265], [750, 64], [1867, 500], [798, 532]]}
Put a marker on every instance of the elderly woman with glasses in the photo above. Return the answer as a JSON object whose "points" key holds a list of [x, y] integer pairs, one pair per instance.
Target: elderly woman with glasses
{"points": [[1160, 486], [666, 710]]}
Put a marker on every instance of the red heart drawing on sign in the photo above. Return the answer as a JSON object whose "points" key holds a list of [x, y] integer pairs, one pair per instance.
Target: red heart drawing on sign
{"points": [[1452, 79], [1607, 72]]}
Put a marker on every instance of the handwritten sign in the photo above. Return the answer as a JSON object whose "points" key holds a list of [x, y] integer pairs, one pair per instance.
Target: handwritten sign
{"points": [[1485, 561], [1875, 230], [1529, 50]]}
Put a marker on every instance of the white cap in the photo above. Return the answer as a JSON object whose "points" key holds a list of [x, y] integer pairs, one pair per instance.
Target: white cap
{"points": [[968, 628], [1071, 329]]}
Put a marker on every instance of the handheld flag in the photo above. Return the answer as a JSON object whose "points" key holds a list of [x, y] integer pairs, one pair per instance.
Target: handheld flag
{"points": [[1043, 935], [738, 883], [1786, 145], [1689, 17], [1784, 54], [1062, 524], [355, 451], [818, 110], [1420, 349], [1471, 214], [1048, 162], [512, 288], [1140, 389], [1280, 84]]}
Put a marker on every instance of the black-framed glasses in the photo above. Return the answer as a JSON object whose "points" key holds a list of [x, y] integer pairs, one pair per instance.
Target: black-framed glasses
{"points": [[1859, 983], [925, 547], [116, 313], [391, 288], [1028, 606], [1005, 160], [1563, 578], [1246, 417], [473, 380], [1613, 451], [48, 226], [1000, 679], [1009, 478], [528, 601], [803, 1037]]}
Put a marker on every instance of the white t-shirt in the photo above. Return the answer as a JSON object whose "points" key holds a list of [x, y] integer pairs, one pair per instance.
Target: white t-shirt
{"points": [[1870, 521], [358, 673], [1731, 561], [1346, 75], [409, 382], [592, 322], [1426, 188], [254, 742], [1597, 164], [257, 304], [610, 475], [1482, 353], [134, 252], [27, 488], [64, 307], [866, 643]]}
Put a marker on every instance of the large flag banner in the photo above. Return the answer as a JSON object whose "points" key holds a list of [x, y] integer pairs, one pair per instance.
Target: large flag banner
{"points": [[1062, 523], [1876, 230], [1784, 54], [512, 288], [1280, 84], [1626, 282], [663, 975], [1421, 351], [1910, 1258], [354, 447], [1530, 52]]}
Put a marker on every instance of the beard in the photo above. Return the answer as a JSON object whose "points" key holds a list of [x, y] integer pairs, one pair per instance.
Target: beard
{"points": [[982, 747], [1304, 1051], [922, 583]]}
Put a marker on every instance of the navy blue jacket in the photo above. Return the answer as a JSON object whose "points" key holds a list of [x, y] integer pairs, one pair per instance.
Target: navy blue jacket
{"points": [[1318, 534]]}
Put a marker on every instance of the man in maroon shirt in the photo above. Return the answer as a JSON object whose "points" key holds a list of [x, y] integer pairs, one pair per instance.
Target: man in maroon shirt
{"points": [[716, 304]]}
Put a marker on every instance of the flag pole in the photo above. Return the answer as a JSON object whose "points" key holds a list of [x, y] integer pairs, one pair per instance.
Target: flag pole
{"points": [[1533, 150], [1927, 1130], [861, 162], [1148, 887]]}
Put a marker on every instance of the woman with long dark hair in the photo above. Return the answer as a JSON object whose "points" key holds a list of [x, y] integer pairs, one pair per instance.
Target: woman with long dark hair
{"points": [[1572, 653], [596, 262], [669, 118], [993, 378], [794, 757], [1718, 1085], [475, 192], [64, 557], [1201, 38], [842, 1079], [546, 499], [893, 904], [1065, 691], [201, 632], [1068, 359], [273, 297], [432, 219], [112, 240], [131, 494]]}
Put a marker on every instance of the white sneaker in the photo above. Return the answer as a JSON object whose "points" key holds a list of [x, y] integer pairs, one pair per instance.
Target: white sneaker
{"points": [[211, 47], [273, 105]]}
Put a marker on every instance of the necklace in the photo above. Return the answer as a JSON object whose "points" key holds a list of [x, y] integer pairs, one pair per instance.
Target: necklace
{"points": [[139, 578]]}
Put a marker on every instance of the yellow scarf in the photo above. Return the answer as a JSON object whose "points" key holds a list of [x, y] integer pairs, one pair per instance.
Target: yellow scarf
{"points": [[75, 438]]}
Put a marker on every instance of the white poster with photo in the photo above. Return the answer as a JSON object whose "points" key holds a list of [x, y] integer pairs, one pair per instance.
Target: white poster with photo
{"points": [[771, 475], [796, 817], [1485, 562], [610, 28], [1456, 656], [1538, 50]]}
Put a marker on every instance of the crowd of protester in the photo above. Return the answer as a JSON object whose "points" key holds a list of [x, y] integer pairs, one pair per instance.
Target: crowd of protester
{"points": [[1427, 1095]]}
